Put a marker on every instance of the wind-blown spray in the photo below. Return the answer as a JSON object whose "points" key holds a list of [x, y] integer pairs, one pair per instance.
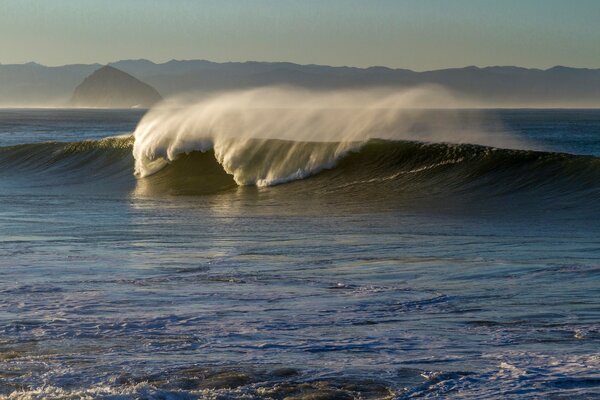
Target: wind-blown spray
{"points": [[272, 135]]}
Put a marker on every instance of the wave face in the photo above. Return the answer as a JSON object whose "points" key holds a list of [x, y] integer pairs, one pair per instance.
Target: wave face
{"points": [[46, 164], [377, 167]]}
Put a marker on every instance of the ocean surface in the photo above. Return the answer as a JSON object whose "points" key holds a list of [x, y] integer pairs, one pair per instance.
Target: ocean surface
{"points": [[266, 268]]}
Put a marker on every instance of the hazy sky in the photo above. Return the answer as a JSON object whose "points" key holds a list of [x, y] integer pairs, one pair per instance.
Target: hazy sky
{"points": [[415, 34]]}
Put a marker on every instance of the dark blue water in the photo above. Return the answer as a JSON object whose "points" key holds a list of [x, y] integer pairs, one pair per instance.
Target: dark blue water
{"points": [[407, 271], [571, 131]]}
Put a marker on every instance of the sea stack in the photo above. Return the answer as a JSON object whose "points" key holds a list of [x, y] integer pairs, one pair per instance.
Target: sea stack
{"points": [[109, 87]]}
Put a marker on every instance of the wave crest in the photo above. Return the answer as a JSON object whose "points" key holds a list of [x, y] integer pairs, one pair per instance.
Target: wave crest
{"points": [[268, 136]]}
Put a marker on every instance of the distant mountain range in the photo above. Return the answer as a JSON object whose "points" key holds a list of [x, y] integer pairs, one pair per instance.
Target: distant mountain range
{"points": [[33, 84]]}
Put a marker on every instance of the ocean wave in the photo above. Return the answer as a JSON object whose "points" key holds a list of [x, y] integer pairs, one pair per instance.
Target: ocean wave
{"points": [[380, 165], [42, 164]]}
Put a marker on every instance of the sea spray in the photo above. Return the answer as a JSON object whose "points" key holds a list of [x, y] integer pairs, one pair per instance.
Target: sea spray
{"points": [[316, 128]]}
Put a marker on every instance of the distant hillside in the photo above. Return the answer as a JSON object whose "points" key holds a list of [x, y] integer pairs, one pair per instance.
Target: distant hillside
{"points": [[490, 86], [109, 87], [33, 84]]}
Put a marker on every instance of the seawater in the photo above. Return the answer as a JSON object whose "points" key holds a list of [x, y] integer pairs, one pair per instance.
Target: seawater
{"points": [[401, 270]]}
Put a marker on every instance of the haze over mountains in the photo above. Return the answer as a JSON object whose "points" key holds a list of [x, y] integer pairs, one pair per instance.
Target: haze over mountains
{"points": [[37, 85]]}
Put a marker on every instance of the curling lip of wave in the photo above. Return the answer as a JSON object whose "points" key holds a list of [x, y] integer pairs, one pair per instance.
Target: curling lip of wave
{"points": [[261, 162]]}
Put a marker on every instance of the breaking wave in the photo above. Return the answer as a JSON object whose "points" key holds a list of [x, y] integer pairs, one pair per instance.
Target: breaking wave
{"points": [[373, 143], [378, 166], [268, 136]]}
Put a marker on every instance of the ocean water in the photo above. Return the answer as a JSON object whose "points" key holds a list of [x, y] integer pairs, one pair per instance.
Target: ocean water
{"points": [[284, 269]]}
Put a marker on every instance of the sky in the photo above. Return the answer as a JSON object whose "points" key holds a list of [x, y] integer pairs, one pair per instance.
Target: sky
{"points": [[414, 34]]}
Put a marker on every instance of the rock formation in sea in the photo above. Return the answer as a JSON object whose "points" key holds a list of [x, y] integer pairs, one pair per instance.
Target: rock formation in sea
{"points": [[109, 87]]}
